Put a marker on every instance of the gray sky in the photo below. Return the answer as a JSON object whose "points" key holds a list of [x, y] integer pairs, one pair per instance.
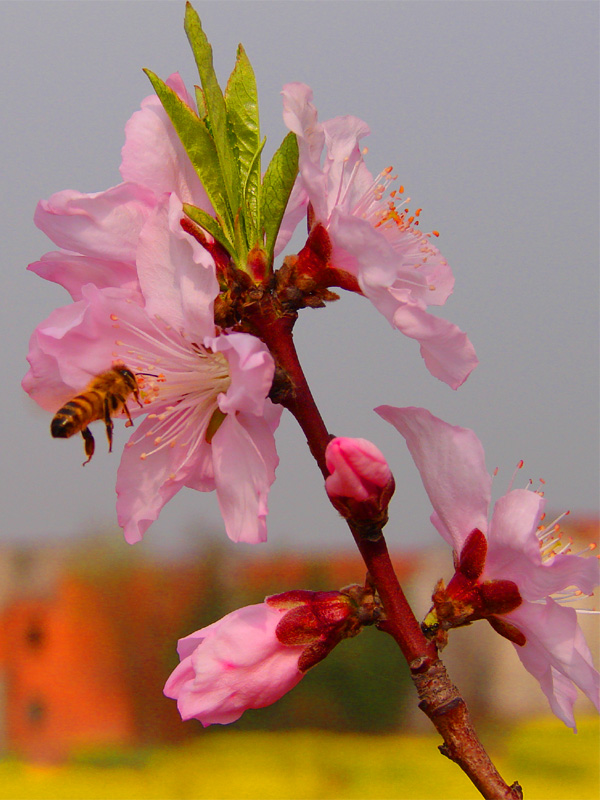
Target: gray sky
{"points": [[489, 113]]}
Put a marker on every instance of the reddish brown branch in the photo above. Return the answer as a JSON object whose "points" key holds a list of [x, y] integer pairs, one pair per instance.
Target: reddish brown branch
{"points": [[400, 622], [277, 334], [439, 698], [444, 706]]}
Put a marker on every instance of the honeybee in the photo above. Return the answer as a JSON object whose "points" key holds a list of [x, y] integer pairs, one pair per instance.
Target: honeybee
{"points": [[104, 396]]}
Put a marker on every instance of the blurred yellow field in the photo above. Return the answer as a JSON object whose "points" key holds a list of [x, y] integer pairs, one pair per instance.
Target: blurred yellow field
{"points": [[548, 761]]}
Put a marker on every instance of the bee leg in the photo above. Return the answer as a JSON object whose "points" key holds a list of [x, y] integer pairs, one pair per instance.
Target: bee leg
{"points": [[109, 424], [136, 394], [88, 443], [129, 422]]}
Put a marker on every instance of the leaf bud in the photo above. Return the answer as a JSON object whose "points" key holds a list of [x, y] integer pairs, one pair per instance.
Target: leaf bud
{"points": [[320, 620]]}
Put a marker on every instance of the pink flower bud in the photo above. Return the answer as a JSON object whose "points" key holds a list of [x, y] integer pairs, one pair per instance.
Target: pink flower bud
{"points": [[232, 665], [358, 469]]}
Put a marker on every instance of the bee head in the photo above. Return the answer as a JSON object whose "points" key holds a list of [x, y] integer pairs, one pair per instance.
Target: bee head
{"points": [[127, 374]]}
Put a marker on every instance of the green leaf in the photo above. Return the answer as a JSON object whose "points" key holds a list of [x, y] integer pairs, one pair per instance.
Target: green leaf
{"points": [[276, 188], [210, 225], [241, 245], [252, 222], [201, 103], [215, 107], [198, 144], [241, 100]]}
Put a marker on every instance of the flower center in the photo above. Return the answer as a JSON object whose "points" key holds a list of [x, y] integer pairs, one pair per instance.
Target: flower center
{"points": [[392, 216], [550, 539], [179, 380]]}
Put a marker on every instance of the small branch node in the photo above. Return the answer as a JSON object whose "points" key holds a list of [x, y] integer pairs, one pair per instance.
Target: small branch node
{"points": [[447, 707], [517, 790], [444, 750], [420, 665]]}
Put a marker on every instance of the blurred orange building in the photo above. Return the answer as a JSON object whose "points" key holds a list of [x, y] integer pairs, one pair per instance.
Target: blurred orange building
{"points": [[62, 682], [84, 653], [83, 657], [88, 638]]}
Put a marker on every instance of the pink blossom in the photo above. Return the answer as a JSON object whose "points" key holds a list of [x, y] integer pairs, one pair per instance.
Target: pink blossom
{"points": [[254, 655], [144, 291], [232, 665], [358, 469], [519, 550], [99, 233], [373, 238], [202, 378]]}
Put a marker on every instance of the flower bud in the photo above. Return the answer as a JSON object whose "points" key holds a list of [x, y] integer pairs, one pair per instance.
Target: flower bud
{"points": [[319, 611], [360, 484], [253, 656], [358, 469], [318, 620]]}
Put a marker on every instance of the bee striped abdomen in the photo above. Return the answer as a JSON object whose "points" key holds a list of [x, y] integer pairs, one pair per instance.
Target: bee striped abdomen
{"points": [[76, 414]]}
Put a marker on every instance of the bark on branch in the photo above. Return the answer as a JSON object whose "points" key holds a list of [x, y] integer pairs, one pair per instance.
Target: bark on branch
{"points": [[439, 698]]}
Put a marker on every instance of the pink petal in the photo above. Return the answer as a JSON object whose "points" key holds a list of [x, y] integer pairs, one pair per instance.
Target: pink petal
{"points": [[244, 453], [105, 225], [347, 175], [177, 275], [337, 181], [187, 644], [153, 155], [150, 475], [238, 664], [245, 460], [202, 479], [514, 551], [75, 343], [181, 675], [73, 271], [360, 249], [514, 523], [43, 382], [561, 572], [436, 272], [300, 116], [342, 140], [451, 462], [272, 414], [294, 212], [447, 351], [557, 655], [229, 640], [251, 367]]}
